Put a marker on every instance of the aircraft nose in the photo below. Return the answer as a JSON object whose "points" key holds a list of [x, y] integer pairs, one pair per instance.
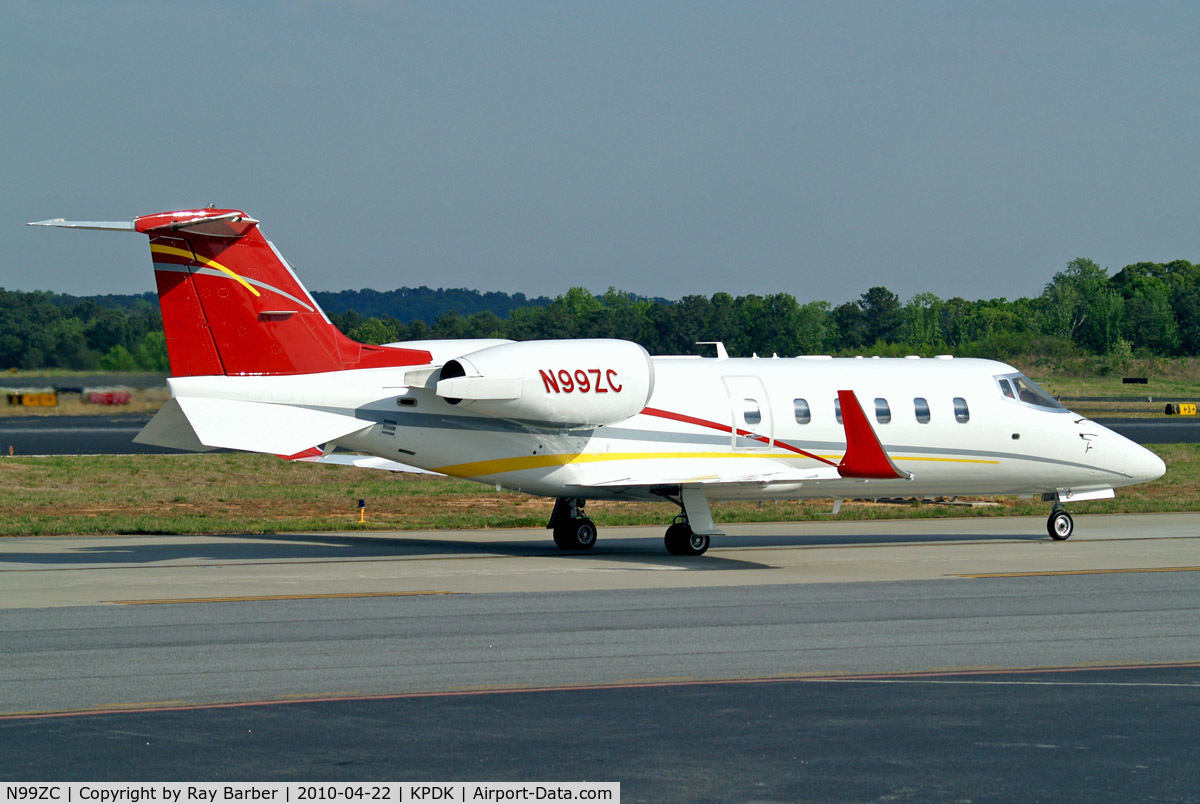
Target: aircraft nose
{"points": [[1143, 465]]}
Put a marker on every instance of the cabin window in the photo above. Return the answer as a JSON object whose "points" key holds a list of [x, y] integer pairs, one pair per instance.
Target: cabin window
{"points": [[961, 413], [883, 412], [837, 410], [751, 412], [803, 413], [921, 408]]}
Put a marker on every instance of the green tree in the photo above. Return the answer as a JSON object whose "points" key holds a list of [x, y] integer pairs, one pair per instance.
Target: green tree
{"points": [[851, 325], [883, 315], [1149, 321], [375, 331], [486, 325], [1187, 314], [813, 330], [1067, 299], [150, 353], [1104, 315], [118, 358], [922, 322]]}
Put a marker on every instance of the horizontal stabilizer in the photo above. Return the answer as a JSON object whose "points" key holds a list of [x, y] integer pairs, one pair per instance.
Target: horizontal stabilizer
{"points": [[263, 427], [112, 226], [170, 428]]}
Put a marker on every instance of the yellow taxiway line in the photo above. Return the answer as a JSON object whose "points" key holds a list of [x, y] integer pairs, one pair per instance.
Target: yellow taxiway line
{"points": [[248, 598], [1047, 573]]}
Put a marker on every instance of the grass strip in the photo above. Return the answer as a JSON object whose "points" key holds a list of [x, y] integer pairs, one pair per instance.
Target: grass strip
{"points": [[243, 493]]}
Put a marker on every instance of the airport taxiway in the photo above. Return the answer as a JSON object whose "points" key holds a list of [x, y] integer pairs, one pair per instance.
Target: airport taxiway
{"points": [[94, 570], [929, 659], [130, 621]]}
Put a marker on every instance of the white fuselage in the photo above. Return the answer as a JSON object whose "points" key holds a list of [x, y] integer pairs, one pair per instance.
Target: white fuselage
{"points": [[738, 428]]}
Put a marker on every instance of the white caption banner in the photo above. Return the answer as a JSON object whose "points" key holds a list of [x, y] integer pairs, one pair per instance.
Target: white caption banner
{"points": [[315, 792]]}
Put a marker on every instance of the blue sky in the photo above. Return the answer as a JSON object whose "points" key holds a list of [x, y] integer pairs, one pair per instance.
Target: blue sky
{"points": [[816, 149]]}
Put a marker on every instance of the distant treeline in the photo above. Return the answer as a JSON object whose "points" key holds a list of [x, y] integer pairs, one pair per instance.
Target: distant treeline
{"points": [[123, 332], [1150, 309], [423, 304], [1147, 309]]}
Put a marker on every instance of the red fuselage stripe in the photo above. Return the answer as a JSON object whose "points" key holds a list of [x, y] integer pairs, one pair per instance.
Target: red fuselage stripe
{"points": [[725, 428]]}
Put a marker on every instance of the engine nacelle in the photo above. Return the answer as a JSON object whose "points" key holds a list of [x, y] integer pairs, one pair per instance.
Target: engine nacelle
{"points": [[566, 384]]}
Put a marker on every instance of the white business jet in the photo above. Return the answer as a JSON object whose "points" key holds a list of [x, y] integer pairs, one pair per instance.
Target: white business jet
{"points": [[257, 366]]}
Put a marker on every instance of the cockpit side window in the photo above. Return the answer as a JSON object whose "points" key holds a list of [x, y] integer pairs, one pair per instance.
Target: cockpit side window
{"points": [[1020, 388], [1031, 394]]}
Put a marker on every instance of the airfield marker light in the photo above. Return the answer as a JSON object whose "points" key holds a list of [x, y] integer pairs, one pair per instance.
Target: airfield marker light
{"points": [[362, 511]]}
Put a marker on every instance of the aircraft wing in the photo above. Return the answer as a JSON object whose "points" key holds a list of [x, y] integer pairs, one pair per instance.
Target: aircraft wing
{"points": [[366, 462]]}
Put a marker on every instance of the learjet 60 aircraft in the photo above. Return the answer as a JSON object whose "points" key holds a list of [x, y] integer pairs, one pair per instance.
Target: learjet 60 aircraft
{"points": [[257, 366]]}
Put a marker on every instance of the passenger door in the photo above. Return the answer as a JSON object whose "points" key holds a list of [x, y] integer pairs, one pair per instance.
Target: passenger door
{"points": [[750, 412]]}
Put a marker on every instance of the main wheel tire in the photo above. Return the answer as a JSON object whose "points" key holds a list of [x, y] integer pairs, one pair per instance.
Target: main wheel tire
{"points": [[697, 544], [1060, 526], [682, 541], [576, 534]]}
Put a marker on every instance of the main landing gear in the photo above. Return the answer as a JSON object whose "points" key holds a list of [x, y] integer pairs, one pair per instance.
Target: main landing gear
{"points": [[681, 540], [689, 532], [572, 529], [1060, 526], [687, 536]]}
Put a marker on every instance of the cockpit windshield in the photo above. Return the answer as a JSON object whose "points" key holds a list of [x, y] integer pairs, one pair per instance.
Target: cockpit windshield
{"points": [[1020, 388]]}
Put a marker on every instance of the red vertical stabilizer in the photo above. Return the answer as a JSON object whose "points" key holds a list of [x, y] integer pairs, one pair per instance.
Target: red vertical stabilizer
{"points": [[232, 305]]}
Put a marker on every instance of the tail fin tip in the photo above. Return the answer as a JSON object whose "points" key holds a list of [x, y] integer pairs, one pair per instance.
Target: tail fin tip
{"points": [[232, 305]]}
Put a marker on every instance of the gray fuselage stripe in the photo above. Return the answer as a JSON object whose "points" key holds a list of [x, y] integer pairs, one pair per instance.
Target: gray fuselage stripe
{"points": [[434, 421]]}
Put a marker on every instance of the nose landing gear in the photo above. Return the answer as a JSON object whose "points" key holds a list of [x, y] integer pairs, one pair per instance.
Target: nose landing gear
{"points": [[1060, 526]]}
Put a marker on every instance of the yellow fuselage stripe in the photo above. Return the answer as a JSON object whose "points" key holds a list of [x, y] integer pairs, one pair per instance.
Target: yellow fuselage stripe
{"points": [[501, 465], [178, 252]]}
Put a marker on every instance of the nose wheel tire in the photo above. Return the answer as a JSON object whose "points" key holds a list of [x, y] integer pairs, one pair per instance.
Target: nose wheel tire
{"points": [[1060, 526], [575, 534], [682, 541]]}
